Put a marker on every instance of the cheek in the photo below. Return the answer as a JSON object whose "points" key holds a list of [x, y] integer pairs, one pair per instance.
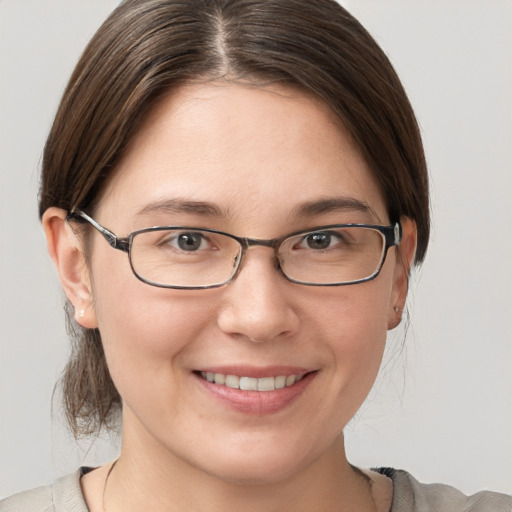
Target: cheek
{"points": [[355, 316], [146, 331], [367, 322], [362, 341], [355, 327]]}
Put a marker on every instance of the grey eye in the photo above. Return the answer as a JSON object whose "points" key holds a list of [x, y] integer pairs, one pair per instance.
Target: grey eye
{"points": [[319, 240], [189, 241]]}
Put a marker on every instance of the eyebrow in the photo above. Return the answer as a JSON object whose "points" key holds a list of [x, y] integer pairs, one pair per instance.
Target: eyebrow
{"points": [[203, 208], [333, 204], [306, 209]]}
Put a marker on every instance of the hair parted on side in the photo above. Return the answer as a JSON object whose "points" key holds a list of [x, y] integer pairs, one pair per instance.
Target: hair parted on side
{"points": [[147, 47]]}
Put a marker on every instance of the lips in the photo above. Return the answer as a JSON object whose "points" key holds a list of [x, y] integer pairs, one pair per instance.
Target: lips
{"points": [[255, 391]]}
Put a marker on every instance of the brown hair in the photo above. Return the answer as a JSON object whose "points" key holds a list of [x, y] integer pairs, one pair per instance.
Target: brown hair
{"points": [[147, 47]]}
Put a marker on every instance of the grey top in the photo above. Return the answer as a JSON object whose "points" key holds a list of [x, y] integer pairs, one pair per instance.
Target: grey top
{"points": [[65, 495]]}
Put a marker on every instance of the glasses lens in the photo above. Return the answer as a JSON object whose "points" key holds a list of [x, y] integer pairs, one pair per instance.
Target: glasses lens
{"points": [[184, 258], [338, 255]]}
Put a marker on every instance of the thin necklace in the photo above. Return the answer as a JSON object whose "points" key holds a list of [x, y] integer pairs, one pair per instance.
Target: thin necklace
{"points": [[105, 485]]}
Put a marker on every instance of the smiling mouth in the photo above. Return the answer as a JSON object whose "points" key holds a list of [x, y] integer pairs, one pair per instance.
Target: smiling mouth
{"points": [[252, 383]]}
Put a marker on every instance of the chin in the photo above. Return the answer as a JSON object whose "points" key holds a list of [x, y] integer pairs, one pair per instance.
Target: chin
{"points": [[258, 464]]}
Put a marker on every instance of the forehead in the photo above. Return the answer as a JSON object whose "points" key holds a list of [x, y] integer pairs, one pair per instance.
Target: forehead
{"points": [[253, 152]]}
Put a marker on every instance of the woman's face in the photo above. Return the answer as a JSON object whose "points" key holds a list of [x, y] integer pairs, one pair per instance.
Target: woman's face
{"points": [[255, 163]]}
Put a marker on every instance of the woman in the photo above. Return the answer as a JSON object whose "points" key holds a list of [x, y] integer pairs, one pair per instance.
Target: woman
{"points": [[260, 164]]}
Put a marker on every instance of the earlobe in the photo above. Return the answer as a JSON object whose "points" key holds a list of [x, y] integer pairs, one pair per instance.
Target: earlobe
{"points": [[65, 249], [405, 259]]}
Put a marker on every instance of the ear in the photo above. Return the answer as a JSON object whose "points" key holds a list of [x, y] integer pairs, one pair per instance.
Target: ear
{"points": [[66, 250], [404, 260]]}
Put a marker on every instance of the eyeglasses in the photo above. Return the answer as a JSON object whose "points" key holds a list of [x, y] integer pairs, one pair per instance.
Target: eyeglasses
{"points": [[199, 258]]}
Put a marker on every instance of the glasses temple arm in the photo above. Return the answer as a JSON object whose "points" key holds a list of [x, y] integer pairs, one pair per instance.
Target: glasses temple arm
{"points": [[397, 231], [112, 239]]}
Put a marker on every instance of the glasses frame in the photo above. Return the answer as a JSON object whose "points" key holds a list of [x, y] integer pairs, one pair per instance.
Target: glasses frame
{"points": [[392, 236]]}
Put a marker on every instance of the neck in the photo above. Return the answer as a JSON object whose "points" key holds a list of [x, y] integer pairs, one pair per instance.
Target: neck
{"points": [[154, 479]]}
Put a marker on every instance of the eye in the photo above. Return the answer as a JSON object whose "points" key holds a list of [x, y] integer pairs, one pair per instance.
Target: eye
{"points": [[188, 241], [320, 240]]}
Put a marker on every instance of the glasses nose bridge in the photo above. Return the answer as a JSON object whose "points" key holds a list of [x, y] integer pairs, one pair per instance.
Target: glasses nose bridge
{"points": [[247, 243], [273, 243]]}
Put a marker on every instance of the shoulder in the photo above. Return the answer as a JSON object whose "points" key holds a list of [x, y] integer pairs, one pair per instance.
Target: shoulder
{"points": [[65, 495], [35, 500], [409, 495]]}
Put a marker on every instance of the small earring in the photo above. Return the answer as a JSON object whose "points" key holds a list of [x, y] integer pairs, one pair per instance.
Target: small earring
{"points": [[397, 309], [81, 314]]}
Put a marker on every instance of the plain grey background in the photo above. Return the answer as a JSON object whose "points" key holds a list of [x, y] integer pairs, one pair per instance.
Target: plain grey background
{"points": [[442, 406]]}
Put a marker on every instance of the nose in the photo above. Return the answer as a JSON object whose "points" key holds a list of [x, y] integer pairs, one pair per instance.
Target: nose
{"points": [[258, 304]]}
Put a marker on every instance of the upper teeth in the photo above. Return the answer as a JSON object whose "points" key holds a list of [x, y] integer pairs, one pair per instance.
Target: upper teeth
{"points": [[252, 383]]}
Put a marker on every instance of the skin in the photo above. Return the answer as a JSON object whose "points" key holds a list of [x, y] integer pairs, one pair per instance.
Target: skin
{"points": [[257, 155]]}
